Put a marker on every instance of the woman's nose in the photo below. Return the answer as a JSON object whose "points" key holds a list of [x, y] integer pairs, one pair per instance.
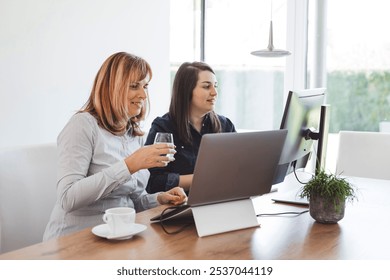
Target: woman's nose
{"points": [[143, 93]]}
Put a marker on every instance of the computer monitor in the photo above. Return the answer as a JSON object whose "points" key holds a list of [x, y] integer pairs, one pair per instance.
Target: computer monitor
{"points": [[306, 118]]}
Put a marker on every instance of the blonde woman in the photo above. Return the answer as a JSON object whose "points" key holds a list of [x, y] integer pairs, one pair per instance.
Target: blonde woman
{"points": [[102, 160]]}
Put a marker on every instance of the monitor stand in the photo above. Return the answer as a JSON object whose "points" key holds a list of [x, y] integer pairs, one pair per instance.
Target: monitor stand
{"points": [[225, 216], [289, 189]]}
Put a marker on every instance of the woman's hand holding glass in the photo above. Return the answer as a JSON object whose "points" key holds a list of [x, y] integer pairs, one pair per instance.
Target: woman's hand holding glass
{"points": [[164, 137], [156, 155]]}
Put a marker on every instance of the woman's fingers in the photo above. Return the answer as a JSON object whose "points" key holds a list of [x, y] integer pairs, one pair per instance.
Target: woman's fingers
{"points": [[164, 153], [174, 196], [164, 149], [156, 155]]}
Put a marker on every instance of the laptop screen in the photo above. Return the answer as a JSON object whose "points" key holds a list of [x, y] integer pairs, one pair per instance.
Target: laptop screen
{"points": [[233, 166]]}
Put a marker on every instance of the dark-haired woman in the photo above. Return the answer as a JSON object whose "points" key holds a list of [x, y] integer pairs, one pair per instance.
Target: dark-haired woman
{"points": [[191, 115]]}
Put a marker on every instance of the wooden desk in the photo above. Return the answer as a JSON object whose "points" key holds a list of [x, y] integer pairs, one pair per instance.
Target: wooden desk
{"points": [[362, 234]]}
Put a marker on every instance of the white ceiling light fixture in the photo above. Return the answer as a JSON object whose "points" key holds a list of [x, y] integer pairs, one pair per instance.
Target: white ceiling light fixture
{"points": [[270, 51]]}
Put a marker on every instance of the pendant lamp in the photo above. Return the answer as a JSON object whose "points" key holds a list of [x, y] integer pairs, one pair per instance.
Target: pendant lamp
{"points": [[270, 51]]}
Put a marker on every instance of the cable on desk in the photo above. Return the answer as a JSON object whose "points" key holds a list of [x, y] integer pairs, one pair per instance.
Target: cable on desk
{"points": [[164, 226], [283, 213], [296, 177]]}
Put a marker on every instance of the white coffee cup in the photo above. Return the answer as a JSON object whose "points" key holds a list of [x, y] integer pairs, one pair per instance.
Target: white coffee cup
{"points": [[120, 220]]}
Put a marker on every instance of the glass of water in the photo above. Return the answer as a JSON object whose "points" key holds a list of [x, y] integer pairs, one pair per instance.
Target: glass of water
{"points": [[164, 137]]}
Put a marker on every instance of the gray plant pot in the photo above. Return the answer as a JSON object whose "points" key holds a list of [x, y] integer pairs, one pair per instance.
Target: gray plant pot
{"points": [[324, 211]]}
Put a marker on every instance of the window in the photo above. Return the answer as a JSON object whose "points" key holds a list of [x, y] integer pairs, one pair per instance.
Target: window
{"points": [[357, 64], [251, 89], [347, 55], [341, 45]]}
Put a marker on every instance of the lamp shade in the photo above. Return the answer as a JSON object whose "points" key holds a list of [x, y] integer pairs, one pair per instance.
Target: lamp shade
{"points": [[270, 51]]}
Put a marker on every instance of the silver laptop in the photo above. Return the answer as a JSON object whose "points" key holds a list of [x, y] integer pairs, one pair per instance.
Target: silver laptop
{"points": [[232, 166]]}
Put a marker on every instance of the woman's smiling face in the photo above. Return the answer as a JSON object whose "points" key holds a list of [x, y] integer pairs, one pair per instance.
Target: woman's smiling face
{"points": [[204, 95], [138, 92]]}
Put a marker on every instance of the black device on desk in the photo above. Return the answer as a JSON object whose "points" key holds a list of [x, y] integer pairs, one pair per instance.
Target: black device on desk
{"points": [[306, 118]]}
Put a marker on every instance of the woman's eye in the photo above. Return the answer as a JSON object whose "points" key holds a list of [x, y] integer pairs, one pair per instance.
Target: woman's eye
{"points": [[209, 86], [134, 86]]}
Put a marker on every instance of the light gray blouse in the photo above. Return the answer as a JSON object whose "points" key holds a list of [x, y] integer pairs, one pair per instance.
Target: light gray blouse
{"points": [[93, 176]]}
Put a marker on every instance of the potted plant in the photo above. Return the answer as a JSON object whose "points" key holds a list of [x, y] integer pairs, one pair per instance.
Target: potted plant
{"points": [[327, 194]]}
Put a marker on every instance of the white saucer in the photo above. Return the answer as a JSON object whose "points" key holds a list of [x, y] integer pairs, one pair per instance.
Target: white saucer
{"points": [[102, 231]]}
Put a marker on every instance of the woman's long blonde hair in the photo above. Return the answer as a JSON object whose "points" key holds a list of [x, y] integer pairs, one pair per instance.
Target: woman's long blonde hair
{"points": [[108, 101]]}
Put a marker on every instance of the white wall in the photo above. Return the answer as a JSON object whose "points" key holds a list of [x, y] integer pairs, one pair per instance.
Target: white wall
{"points": [[50, 52]]}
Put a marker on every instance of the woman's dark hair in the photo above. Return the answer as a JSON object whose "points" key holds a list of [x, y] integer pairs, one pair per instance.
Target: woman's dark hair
{"points": [[179, 109]]}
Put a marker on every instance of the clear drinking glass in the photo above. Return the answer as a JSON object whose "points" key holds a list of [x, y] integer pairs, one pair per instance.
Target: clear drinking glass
{"points": [[164, 137]]}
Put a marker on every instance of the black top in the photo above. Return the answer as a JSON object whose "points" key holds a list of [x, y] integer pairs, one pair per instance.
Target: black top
{"points": [[166, 178]]}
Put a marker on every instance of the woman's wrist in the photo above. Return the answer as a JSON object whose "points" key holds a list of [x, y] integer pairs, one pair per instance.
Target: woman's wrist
{"points": [[185, 181], [130, 165], [160, 198]]}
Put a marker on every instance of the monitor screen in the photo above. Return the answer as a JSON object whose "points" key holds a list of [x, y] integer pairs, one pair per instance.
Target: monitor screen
{"points": [[306, 119]]}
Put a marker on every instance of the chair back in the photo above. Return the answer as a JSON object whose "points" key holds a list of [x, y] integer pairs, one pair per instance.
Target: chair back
{"points": [[364, 154], [27, 194]]}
